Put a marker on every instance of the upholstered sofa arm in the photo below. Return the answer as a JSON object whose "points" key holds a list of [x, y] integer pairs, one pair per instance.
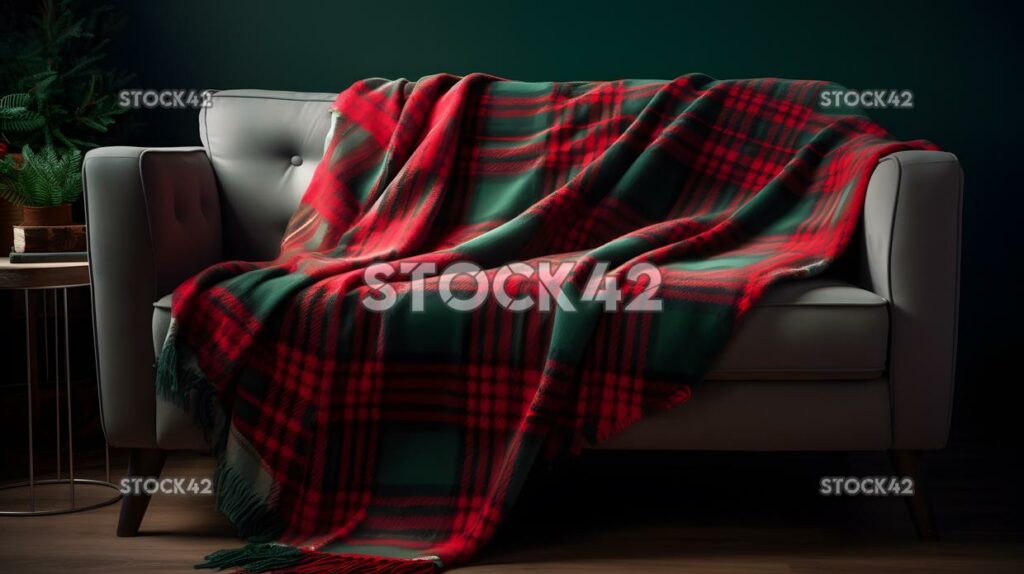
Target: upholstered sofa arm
{"points": [[912, 219], [153, 219]]}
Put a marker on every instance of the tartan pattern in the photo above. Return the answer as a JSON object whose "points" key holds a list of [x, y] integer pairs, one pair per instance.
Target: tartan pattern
{"points": [[407, 435]]}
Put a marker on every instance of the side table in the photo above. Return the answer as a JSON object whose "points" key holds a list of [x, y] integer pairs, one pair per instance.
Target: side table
{"points": [[50, 280]]}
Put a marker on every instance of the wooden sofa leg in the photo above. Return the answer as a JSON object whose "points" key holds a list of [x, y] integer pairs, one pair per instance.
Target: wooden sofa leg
{"points": [[905, 463], [145, 463]]}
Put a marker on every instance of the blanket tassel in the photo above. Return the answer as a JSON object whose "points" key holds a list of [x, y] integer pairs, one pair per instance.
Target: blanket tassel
{"points": [[282, 559]]}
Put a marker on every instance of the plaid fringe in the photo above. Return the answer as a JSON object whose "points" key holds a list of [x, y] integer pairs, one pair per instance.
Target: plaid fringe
{"points": [[254, 558], [284, 559], [255, 521], [169, 382], [181, 382]]}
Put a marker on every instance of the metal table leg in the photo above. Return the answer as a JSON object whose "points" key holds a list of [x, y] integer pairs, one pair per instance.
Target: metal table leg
{"points": [[71, 481], [28, 382]]}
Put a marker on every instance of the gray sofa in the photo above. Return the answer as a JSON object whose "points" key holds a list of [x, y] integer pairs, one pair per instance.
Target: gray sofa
{"points": [[860, 359]]}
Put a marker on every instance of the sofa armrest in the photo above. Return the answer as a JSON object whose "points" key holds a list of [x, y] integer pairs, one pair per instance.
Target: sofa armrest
{"points": [[912, 219], [153, 218]]}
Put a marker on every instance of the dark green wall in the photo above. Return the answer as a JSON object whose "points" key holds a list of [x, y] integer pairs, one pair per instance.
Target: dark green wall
{"points": [[962, 60]]}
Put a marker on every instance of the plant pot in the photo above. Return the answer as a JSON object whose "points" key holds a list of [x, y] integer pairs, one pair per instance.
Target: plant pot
{"points": [[55, 215]]}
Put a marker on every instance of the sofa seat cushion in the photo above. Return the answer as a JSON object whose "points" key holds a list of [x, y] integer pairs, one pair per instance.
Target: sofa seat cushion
{"points": [[814, 329]]}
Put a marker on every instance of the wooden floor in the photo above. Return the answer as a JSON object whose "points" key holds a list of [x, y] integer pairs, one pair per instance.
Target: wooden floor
{"points": [[601, 516]]}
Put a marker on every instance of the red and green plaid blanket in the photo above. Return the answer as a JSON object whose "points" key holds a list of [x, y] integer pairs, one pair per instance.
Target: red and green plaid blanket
{"points": [[395, 438]]}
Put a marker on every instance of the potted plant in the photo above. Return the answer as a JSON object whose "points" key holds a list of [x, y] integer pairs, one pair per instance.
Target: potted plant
{"points": [[55, 100], [43, 183]]}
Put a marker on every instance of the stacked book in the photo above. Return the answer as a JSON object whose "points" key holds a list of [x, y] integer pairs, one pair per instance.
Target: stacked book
{"points": [[48, 243]]}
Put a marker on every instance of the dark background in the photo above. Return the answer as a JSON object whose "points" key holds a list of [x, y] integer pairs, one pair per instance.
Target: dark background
{"points": [[962, 60]]}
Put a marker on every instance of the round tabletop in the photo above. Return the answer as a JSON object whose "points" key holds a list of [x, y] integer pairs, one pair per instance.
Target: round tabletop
{"points": [[42, 275]]}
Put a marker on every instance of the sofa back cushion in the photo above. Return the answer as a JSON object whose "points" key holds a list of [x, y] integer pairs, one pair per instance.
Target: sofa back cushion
{"points": [[264, 146]]}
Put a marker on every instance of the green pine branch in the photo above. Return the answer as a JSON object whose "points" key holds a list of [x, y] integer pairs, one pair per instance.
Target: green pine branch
{"points": [[53, 66]]}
